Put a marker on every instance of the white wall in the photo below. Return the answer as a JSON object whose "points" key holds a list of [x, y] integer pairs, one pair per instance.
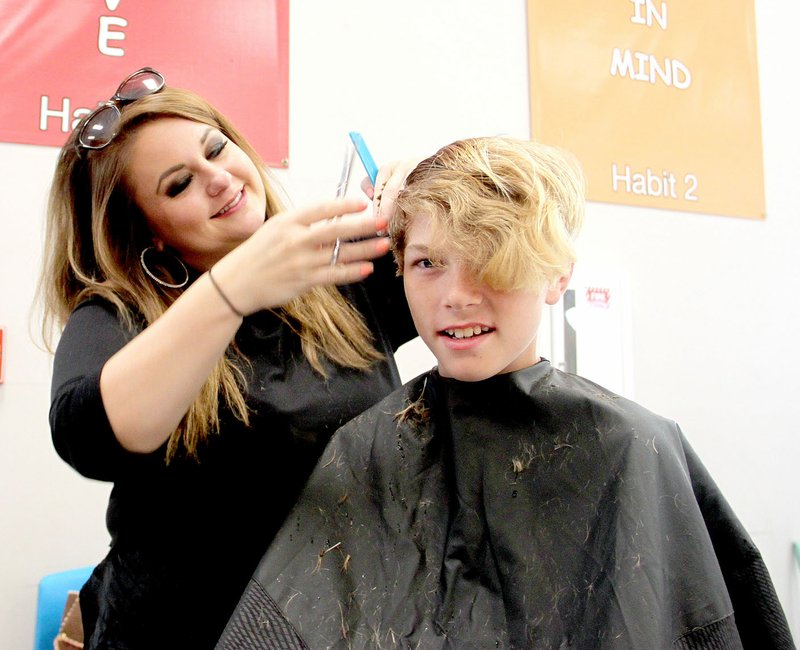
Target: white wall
{"points": [[714, 300]]}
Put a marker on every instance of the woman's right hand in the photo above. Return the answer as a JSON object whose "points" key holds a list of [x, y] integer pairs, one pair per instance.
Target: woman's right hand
{"points": [[292, 253]]}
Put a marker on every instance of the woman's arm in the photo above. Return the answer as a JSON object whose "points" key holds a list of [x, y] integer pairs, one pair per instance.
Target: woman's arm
{"points": [[150, 383], [81, 433]]}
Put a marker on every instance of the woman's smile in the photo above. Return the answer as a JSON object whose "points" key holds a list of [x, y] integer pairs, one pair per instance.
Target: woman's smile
{"points": [[239, 200]]}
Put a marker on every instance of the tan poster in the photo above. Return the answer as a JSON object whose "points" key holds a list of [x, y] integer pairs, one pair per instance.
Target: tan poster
{"points": [[659, 100]]}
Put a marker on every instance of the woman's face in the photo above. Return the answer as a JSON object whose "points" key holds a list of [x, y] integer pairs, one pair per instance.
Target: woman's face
{"points": [[200, 193]]}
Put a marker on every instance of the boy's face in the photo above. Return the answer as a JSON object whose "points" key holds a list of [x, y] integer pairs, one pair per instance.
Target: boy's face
{"points": [[474, 331]]}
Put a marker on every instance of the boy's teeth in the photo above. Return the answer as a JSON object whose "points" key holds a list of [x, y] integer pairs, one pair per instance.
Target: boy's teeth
{"points": [[466, 332]]}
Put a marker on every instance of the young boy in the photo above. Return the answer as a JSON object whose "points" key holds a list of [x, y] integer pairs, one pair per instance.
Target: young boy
{"points": [[496, 502]]}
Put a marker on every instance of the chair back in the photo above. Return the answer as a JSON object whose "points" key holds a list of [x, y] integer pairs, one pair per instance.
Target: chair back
{"points": [[52, 597]]}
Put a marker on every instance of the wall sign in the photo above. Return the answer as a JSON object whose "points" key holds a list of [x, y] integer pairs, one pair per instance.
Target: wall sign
{"points": [[59, 58], [658, 99]]}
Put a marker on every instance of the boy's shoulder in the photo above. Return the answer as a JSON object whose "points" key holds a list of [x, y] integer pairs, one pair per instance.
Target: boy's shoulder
{"points": [[566, 391], [541, 389], [368, 431]]}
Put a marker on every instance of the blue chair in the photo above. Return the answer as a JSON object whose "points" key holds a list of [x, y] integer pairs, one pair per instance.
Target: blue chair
{"points": [[52, 597]]}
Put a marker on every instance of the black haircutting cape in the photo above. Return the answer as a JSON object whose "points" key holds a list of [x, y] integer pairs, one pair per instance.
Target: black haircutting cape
{"points": [[531, 510]]}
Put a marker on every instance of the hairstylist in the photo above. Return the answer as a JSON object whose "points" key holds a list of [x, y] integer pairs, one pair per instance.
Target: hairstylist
{"points": [[207, 352]]}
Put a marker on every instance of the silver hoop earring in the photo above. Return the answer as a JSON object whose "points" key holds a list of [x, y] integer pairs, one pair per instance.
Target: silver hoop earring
{"points": [[159, 280]]}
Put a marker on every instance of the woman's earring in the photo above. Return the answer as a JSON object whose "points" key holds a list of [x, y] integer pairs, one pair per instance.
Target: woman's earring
{"points": [[152, 275]]}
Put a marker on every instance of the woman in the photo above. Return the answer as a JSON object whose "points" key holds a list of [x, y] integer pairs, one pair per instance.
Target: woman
{"points": [[206, 355]]}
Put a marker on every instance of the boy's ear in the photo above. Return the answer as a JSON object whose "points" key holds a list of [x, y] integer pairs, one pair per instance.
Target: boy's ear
{"points": [[558, 287]]}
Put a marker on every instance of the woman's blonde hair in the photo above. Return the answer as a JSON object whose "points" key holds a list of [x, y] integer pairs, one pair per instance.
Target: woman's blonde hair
{"points": [[509, 208], [95, 235]]}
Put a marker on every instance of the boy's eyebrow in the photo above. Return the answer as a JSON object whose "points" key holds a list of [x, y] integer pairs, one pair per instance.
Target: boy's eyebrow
{"points": [[418, 248]]}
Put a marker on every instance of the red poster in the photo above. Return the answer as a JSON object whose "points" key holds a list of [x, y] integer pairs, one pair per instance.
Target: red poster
{"points": [[59, 58]]}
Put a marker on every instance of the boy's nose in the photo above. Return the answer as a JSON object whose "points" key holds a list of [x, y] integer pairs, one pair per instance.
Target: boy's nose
{"points": [[463, 289]]}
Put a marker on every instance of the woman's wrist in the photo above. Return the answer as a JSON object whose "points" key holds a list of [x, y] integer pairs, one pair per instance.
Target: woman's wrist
{"points": [[223, 295]]}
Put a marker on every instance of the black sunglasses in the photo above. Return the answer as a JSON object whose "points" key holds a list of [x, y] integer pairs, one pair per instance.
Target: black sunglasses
{"points": [[100, 126]]}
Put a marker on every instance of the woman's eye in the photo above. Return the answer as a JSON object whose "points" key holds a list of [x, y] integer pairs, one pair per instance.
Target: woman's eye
{"points": [[216, 150], [178, 186]]}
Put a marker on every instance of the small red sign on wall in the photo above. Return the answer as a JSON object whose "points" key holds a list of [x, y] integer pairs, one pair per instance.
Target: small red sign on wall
{"points": [[59, 58], [598, 297]]}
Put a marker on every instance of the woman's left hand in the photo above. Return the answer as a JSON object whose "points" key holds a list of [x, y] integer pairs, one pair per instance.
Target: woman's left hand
{"points": [[390, 180]]}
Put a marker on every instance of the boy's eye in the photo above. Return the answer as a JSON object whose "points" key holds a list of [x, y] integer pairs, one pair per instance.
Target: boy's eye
{"points": [[426, 263]]}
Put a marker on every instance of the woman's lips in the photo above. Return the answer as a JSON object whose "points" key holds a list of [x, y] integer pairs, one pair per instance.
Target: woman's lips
{"points": [[232, 205]]}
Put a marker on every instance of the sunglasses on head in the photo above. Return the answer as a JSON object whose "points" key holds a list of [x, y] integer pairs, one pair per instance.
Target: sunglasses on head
{"points": [[100, 126]]}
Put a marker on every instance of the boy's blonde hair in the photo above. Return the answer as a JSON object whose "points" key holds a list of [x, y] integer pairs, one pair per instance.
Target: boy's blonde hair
{"points": [[510, 208]]}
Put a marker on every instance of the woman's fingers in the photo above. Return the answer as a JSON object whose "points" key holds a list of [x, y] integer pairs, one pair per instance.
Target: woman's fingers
{"points": [[346, 228], [352, 263], [344, 273], [353, 251], [347, 261], [366, 187], [333, 219], [326, 210]]}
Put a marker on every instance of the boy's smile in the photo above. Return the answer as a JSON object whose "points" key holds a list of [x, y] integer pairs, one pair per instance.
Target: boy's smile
{"points": [[466, 332]]}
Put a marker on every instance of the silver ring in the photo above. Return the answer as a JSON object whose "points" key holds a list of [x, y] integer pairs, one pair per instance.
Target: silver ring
{"points": [[335, 254]]}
